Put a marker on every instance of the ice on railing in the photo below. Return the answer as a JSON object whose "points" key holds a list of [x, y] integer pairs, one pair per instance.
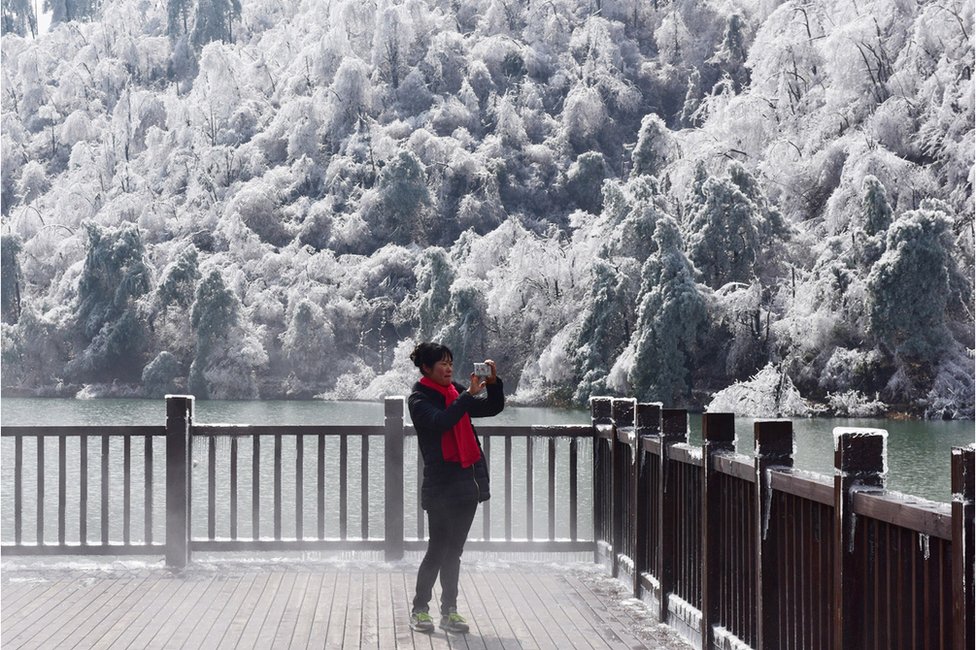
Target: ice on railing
{"points": [[728, 641], [923, 545]]}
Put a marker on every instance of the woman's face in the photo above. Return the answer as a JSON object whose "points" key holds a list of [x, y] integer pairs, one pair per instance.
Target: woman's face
{"points": [[442, 372]]}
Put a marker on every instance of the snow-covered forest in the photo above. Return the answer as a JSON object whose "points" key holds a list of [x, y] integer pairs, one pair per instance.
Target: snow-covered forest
{"points": [[656, 198]]}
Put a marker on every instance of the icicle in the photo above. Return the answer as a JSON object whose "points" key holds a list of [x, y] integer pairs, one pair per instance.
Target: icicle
{"points": [[923, 545]]}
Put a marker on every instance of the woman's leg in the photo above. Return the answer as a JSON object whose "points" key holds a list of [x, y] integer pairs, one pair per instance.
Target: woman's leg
{"points": [[438, 534], [457, 534]]}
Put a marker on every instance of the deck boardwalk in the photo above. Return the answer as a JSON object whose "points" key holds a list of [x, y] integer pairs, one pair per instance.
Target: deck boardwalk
{"points": [[322, 605]]}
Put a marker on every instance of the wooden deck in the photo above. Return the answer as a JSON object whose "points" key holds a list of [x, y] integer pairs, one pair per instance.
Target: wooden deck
{"points": [[321, 605]]}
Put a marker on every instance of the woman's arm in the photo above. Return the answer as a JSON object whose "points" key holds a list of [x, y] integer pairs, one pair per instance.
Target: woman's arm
{"points": [[426, 414], [493, 404]]}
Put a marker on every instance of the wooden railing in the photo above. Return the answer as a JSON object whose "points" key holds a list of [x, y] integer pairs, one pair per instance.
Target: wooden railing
{"points": [[732, 551], [736, 551], [203, 509]]}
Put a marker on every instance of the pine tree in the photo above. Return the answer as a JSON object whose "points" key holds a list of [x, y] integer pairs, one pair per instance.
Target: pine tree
{"points": [[215, 21], [17, 17], [671, 313], [114, 277], [9, 279], [908, 289], [603, 331], [434, 280], [724, 239], [655, 147], [216, 311]]}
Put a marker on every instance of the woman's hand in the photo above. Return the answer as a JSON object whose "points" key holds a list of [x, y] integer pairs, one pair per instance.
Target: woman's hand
{"points": [[477, 384], [494, 372]]}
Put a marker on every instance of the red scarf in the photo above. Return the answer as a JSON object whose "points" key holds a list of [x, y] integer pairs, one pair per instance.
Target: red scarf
{"points": [[458, 445]]}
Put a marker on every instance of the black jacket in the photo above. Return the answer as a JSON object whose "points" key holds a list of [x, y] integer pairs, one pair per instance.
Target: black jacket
{"points": [[447, 482]]}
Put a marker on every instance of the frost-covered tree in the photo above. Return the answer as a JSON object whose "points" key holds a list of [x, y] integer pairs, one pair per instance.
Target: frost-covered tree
{"points": [[227, 353], [111, 329], [10, 278], [671, 314], [655, 147], [17, 17], [908, 291], [400, 213], [434, 280], [63, 11], [307, 342], [584, 181], [215, 21], [723, 235], [604, 329]]}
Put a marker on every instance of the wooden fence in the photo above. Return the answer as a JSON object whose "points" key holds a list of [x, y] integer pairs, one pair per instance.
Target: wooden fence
{"points": [[732, 551], [240, 447], [743, 552]]}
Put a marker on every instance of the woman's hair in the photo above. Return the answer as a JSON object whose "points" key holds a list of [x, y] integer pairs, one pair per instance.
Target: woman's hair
{"points": [[428, 354]]}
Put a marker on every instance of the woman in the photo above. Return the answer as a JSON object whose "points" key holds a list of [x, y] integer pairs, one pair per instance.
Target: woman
{"points": [[455, 473]]}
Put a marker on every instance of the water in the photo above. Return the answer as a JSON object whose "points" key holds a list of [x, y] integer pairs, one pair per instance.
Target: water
{"points": [[918, 460]]}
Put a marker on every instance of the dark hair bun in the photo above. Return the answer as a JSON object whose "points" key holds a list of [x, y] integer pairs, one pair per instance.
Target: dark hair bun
{"points": [[427, 354]]}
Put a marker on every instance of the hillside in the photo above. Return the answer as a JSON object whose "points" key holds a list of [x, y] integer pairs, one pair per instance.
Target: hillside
{"points": [[659, 199]]}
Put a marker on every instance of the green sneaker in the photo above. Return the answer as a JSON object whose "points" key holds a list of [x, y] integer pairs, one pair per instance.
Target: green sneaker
{"points": [[421, 622], [453, 622]]}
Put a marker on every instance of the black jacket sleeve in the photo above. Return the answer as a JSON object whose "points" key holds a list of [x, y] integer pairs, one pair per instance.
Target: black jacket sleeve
{"points": [[493, 404], [430, 416]]}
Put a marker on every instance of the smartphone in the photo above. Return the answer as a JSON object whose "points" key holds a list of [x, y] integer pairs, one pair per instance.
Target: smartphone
{"points": [[482, 370]]}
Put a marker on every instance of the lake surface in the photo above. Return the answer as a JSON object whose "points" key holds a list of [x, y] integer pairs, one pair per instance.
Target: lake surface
{"points": [[918, 463]]}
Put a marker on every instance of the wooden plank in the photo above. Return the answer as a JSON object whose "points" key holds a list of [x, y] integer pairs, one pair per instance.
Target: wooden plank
{"points": [[245, 610], [36, 602], [40, 490], [72, 431], [369, 626], [914, 513], [267, 634], [304, 613], [402, 597], [157, 612], [155, 599], [337, 612], [506, 619], [256, 614], [128, 614], [63, 487], [277, 487], [147, 507], [324, 599], [353, 629], [385, 613], [535, 629], [544, 596], [93, 627], [364, 488], [56, 626], [288, 620], [215, 624], [173, 619], [484, 624], [210, 604], [612, 628], [342, 430]]}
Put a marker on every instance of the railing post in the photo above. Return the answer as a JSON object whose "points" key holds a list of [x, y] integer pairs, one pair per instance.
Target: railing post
{"points": [[963, 533], [674, 430], [623, 420], [179, 421], [774, 449], [647, 423], [600, 415], [718, 437], [393, 480], [859, 459]]}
